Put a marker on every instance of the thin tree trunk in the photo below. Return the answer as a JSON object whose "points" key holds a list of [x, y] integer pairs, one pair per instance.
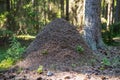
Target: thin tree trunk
{"points": [[109, 15], [117, 12], [76, 12], [113, 10], [44, 12], [67, 10], [36, 18], [92, 28], [62, 8], [110, 19], [8, 5], [103, 8]]}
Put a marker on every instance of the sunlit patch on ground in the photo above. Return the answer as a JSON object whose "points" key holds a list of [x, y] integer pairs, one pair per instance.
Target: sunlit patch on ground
{"points": [[26, 37]]}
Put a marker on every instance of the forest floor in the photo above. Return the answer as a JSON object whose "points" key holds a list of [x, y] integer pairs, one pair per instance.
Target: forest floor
{"points": [[60, 53], [87, 72]]}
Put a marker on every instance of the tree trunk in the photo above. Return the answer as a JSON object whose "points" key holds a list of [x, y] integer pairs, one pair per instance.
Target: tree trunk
{"points": [[76, 12], [113, 10], [9, 20], [62, 8], [44, 12], [110, 14], [117, 13], [8, 5], [92, 28], [103, 8], [67, 10], [110, 19]]}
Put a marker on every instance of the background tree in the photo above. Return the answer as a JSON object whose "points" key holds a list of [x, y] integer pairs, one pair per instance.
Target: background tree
{"points": [[62, 8], [29, 16], [110, 13], [67, 10], [117, 12], [76, 13], [92, 32]]}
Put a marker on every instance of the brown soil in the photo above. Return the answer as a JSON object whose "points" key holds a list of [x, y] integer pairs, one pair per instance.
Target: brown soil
{"points": [[55, 48]]}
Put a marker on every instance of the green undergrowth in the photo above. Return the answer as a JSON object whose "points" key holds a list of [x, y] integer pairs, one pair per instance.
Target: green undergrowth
{"points": [[107, 62], [11, 55], [113, 43], [110, 35], [6, 63]]}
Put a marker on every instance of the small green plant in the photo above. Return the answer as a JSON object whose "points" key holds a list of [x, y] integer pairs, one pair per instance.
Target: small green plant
{"points": [[106, 61], [44, 52], [40, 69], [73, 65], [79, 49]]}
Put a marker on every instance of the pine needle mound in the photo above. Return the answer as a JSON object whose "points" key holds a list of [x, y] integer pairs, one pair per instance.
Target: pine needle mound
{"points": [[55, 47]]}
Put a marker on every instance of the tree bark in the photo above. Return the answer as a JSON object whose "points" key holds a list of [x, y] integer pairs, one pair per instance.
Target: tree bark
{"points": [[117, 12], [67, 10], [103, 8], [110, 14], [8, 5], [62, 8], [92, 28], [76, 12]]}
